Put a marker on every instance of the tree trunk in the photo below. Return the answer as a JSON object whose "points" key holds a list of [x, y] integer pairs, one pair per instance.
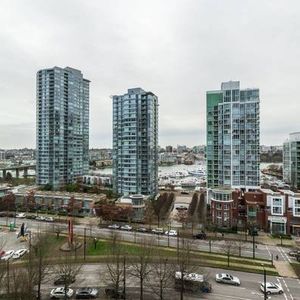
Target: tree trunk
{"points": [[161, 290], [141, 288]]}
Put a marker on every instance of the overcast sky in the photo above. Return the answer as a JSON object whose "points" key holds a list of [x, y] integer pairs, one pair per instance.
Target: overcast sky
{"points": [[176, 49]]}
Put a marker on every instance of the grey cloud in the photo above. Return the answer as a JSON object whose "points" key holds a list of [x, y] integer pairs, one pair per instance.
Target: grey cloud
{"points": [[177, 49]]}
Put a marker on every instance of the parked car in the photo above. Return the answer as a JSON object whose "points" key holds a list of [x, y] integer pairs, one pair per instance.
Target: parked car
{"points": [[126, 227], [294, 253], [227, 278], [48, 219], [200, 236], [271, 288], [158, 231], [185, 192], [59, 293], [7, 255], [21, 215], [86, 293], [40, 218], [19, 253], [113, 226], [171, 232], [63, 278], [142, 229], [33, 217], [111, 292]]}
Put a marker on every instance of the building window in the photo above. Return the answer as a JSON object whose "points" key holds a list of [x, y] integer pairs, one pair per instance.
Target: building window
{"points": [[277, 206], [296, 208], [218, 206], [219, 215]]}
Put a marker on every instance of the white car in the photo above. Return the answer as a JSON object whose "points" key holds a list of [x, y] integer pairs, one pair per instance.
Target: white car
{"points": [[19, 253], [8, 255], [228, 279], [59, 293], [126, 227], [48, 219], [158, 231], [21, 215], [113, 226], [271, 288], [171, 233], [40, 218]]}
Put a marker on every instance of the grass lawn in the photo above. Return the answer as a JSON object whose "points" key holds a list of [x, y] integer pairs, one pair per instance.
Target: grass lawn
{"points": [[296, 267], [103, 248]]}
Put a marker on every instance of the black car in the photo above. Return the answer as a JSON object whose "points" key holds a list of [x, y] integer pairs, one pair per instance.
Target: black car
{"points": [[86, 293], [63, 278], [111, 292], [200, 236]]}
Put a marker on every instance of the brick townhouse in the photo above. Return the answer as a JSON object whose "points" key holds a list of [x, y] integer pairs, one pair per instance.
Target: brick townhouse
{"points": [[274, 212]]}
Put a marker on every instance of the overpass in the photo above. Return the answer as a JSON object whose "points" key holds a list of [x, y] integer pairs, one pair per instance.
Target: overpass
{"points": [[17, 169]]}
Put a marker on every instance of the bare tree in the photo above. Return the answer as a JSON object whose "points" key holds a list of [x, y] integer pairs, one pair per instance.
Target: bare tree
{"points": [[58, 229], [2, 264], [162, 275], [182, 217], [68, 269], [184, 264], [141, 264], [230, 248], [39, 260], [116, 266]]}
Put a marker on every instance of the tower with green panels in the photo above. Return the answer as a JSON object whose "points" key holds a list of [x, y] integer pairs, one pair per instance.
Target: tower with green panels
{"points": [[213, 98], [233, 137]]}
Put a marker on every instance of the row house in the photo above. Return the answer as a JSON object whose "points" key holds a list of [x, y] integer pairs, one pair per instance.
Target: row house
{"points": [[275, 212]]}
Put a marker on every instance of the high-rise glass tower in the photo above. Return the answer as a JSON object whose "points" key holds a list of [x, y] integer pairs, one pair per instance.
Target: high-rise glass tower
{"points": [[291, 160], [135, 138], [233, 137], [62, 116]]}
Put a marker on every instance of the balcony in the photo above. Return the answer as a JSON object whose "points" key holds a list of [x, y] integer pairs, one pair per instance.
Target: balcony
{"points": [[252, 214]]}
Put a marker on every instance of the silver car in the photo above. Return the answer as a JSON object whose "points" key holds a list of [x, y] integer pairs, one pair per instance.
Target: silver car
{"points": [[227, 278], [271, 288]]}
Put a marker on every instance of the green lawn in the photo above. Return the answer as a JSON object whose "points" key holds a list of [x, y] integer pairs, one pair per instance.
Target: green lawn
{"points": [[104, 248]]}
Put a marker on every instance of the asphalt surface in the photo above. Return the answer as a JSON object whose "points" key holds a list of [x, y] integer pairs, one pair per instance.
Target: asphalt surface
{"points": [[261, 251], [96, 275]]}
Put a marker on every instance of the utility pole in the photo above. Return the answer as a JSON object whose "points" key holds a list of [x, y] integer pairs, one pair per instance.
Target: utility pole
{"points": [[84, 244], [169, 235], [265, 283], [253, 242]]}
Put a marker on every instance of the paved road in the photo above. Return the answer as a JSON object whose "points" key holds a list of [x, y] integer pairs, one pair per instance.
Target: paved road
{"points": [[94, 275], [261, 251]]}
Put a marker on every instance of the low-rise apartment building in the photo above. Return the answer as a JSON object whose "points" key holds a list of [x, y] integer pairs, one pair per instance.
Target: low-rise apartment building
{"points": [[275, 212]]}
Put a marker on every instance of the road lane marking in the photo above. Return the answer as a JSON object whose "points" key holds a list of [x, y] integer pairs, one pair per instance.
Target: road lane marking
{"points": [[287, 288], [268, 251]]}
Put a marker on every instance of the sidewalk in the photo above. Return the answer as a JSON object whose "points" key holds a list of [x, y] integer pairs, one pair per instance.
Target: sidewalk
{"points": [[284, 269], [262, 238]]}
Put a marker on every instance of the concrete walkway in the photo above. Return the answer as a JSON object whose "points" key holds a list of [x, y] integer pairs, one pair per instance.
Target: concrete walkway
{"points": [[284, 269]]}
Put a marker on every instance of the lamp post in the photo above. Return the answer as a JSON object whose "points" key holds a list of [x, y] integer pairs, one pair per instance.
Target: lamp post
{"points": [[169, 234], [253, 242], [265, 283], [84, 244]]}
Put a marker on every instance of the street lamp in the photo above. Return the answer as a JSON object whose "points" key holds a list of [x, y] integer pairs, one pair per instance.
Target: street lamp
{"points": [[169, 234], [265, 283]]}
